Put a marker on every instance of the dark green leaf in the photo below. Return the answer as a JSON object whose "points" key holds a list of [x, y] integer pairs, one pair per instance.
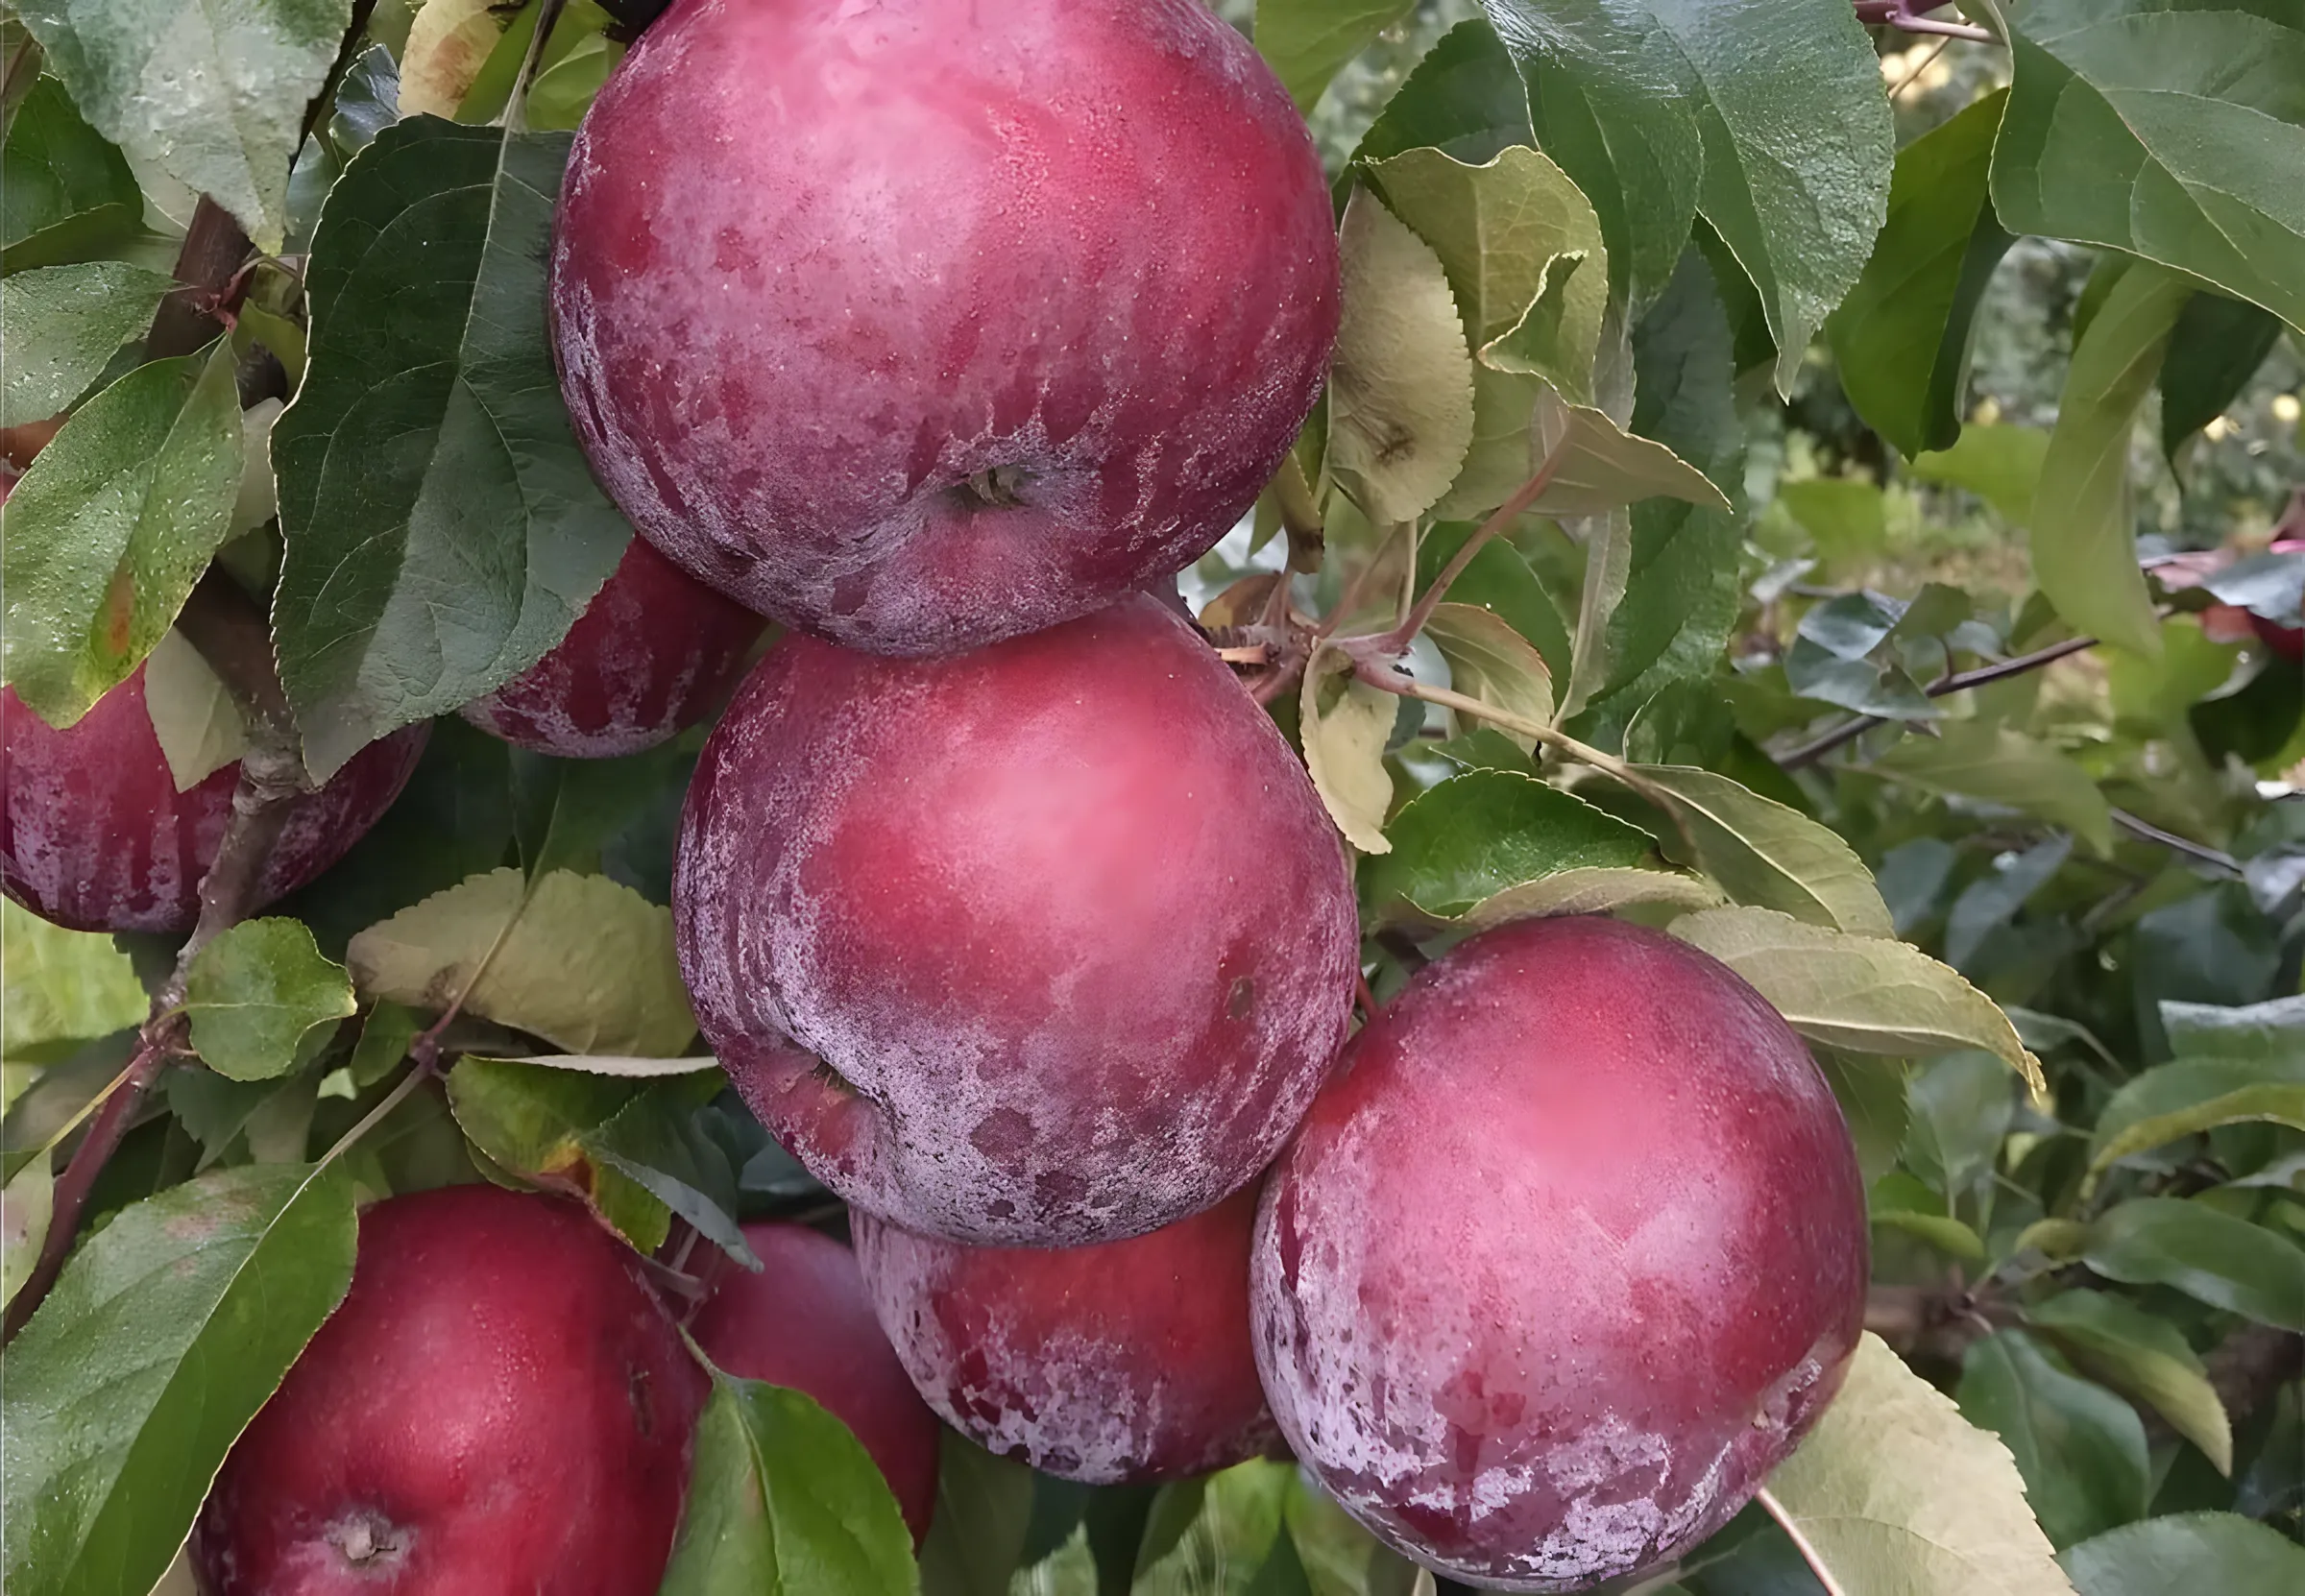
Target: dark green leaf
{"points": [[2172, 133], [568, 809], [1606, 101], [1479, 833], [2225, 1262], [253, 994], [368, 100], [213, 93], [2216, 348], [784, 1500], [1057, 1509], [164, 1334], [1465, 99], [66, 194], [2273, 1031], [399, 599], [111, 526], [1774, 105], [656, 1143], [2204, 1552], [1681, 596], [1282, 1572], [61, 326], [1497, 579], [2080, 1448], [1902, 336], [983, 1508]]}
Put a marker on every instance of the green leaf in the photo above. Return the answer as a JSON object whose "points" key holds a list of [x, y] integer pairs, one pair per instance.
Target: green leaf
{"points": [[2143, 1356], [1948, 1235], [1867, 994], [254, 992], [1682, 595], [26, 1203], [212, 92], [2272, 1032], [61, 325], [1607, 100], [61, 987], [2211, 1256], [1597, 889], [1600, 467], [538, 1122], [1525, 264], [654, 1141], [1973, 758], [111, 526], [1344, 724], [2175, 135], [1465, 98], [2268, 1102], [2216, 347], [1464, 840], [582, 961], [1847, 517], [428, 571], [1764, 853], [2083, 524], [1400, 382], [983, 1508], [1773, 106], [1497, 579], [782, 1499], [2221, 1551], [2080, 1448], [193, 713], [164, 1335], [66, 194], [1490, 661], [2002, 465], [1900, 1496], [1902, 336]]}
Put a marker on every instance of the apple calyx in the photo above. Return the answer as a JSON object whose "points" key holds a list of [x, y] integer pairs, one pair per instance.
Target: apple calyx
{"points": [[366, 1539]]}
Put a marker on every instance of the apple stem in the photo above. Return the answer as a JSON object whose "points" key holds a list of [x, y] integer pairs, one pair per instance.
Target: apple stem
{"points": [[1801, 1544], [1905, 16]]}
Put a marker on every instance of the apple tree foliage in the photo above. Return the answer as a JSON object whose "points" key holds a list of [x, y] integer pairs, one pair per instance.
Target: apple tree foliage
{"points": [[1911, 403]]}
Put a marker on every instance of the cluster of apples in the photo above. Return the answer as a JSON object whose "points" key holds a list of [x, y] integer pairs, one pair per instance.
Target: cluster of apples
{"points": [[936, 331]]}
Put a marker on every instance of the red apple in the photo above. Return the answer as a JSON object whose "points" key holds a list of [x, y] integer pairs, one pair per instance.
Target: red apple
{"points": [[934, 322], [806, 1323], [499, 1405], [1566, 1259], [1042, 945], [96, 838], [1121, 1364], [650, 656]]}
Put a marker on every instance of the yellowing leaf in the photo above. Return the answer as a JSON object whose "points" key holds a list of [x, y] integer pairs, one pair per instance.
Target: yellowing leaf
{"points": [[1764, 853], [1897, 1495], [1490, 661], [1868, 994], [582, 961], [1346, 723], [1523, 253], [447, 44], [1400, 382], [199, 726]]}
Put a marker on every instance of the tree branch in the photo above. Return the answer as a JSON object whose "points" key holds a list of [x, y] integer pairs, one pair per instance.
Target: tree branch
{"points": [[213, 249], [1850, 731], [1905, 15]]}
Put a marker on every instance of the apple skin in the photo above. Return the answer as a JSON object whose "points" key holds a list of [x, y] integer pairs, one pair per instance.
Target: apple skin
{"points": [[1042, 945], [650, 657], [95, 836], [1564, 1261], [806, 1323], [500, 1404], [1123, 1363], [819, 266]]}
